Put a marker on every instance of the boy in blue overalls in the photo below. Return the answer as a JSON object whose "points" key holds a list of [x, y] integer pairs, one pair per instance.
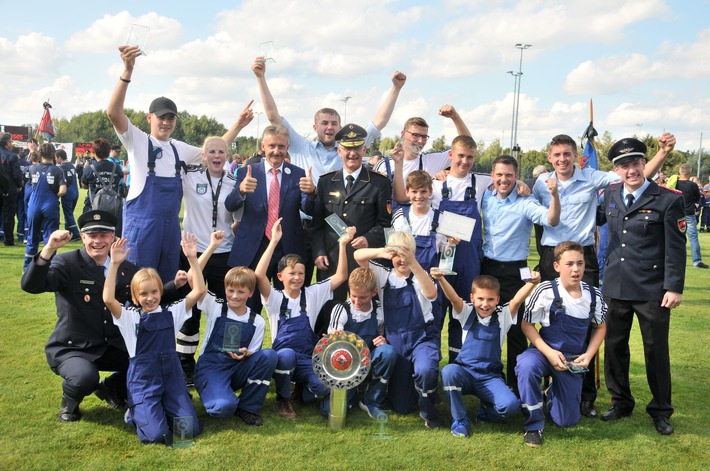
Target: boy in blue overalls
{"points": [[564, 307], [292, 314], [219, 372], [478, 369], [419, 217], [362, 315], [156, 388], [407, 294]]}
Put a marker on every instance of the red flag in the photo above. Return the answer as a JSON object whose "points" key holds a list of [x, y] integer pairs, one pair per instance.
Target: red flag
{"points": [[46, 126]]}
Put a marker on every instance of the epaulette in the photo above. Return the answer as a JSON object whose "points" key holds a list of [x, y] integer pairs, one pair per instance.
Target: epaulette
{"points": [[231, 176], [432, 151], [672, 190], [328, 173], [378, 174]]}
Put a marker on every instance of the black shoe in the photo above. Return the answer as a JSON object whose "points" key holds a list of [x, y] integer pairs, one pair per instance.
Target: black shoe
{"points": [[586, 408], [432, 423], [663, 425], [614, 414], [533, 438], [699, 265], [110, 396], [69, 411], [249, 418]]}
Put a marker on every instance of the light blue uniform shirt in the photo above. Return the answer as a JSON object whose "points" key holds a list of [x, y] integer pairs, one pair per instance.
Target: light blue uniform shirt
{"points": [[507, 224], [578, 200], [306, 153]]}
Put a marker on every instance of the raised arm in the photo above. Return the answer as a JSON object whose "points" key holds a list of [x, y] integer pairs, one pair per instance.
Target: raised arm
{"points": [[189, 248], [267, 100], [666, 143], [216, 239], [425, 282], [118, 97], [398, 187], [341, 273], [449, 291], [385, 112], [553, 213], [244, 118], [523, 293], [119, 252], [448, 111], [261, 279]]}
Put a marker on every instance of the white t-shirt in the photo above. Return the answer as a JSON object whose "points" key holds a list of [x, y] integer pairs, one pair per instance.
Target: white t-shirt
{"points": [[130, 317], [339, 317], [213, 310], [385, 274], [457, 188], [197, 194], [537, 310], [432, 163], [136, 143], [504, 319], [316, 296]]}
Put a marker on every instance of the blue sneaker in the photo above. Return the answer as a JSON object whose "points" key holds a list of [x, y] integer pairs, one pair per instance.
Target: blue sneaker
{"points": [[373, 411], [460, 428]]}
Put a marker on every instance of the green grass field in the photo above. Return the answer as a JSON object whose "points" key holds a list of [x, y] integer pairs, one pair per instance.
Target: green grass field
{"points": [[32, 438]]}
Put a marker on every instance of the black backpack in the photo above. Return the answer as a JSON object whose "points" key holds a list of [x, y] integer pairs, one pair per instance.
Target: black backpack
{"points": [[106, 198]]}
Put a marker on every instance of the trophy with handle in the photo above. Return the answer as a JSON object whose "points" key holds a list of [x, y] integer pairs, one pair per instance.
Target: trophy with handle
{"points": [[341, 361]]}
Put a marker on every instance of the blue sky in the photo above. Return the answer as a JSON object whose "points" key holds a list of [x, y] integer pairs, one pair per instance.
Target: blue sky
{"points": [[645, 63]]}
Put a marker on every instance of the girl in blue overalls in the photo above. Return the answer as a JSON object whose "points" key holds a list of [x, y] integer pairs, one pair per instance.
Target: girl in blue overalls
{"points": [[564, 307], [156, 388], [220, 372], [48, 185], [407, 293]]}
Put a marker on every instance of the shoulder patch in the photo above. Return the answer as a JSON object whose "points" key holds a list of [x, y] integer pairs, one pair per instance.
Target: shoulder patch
{"points": [[682, 225], [329, 173]]}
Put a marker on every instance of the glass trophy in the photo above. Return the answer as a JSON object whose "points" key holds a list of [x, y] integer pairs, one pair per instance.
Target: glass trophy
{"points": [[381, 431], [182, 432], [446, 261], [267, 51], [337, 224], [138, 37], [232, 337]]}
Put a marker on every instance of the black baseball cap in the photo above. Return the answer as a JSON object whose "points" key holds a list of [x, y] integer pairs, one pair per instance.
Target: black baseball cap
{"points": [[162, 106]]}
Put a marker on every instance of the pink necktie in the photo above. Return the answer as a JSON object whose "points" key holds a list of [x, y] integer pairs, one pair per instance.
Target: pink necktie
{"points": [[274, 195]]}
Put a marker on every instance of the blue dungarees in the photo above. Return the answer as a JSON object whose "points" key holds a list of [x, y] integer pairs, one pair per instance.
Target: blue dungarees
{"points": [[568, 335], [218, 376], [42, 210], [383, 358], [478, 370], [390, 175], [467, 263], [156, 388], [294, 344], [151, 220], [415, 341], [426, 253]]}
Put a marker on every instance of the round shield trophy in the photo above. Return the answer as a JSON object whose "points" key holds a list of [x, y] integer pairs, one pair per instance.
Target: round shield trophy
{"points": [[341, 361]]}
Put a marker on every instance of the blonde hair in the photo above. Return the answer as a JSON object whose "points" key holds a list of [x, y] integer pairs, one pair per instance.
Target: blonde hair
{"points": [[402, 238], [362, 278], [240, 277], [212, 139], [144, 274]]}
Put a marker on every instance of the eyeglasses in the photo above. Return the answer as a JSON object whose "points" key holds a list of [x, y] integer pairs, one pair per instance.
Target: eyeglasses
{"points": [[417, 135]]}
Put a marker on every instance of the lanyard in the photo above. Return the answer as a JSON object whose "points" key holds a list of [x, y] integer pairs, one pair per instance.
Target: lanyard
{"points": [[215, 198]]}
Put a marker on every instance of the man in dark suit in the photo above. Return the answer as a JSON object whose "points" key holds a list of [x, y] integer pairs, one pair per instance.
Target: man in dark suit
{"points": [[85, 339], [644, 275], [361, 198], [253, 192], [8, 195]]}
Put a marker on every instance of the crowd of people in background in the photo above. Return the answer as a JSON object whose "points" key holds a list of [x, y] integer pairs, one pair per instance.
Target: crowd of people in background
{"points": [[255, 232]]}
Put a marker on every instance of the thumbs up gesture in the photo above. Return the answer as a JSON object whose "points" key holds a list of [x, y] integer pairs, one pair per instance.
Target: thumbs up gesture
{"points": [[248, 185], [305, 184]]}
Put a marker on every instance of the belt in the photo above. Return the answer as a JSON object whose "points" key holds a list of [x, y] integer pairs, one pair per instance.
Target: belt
{"points": [[515, 263]]}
